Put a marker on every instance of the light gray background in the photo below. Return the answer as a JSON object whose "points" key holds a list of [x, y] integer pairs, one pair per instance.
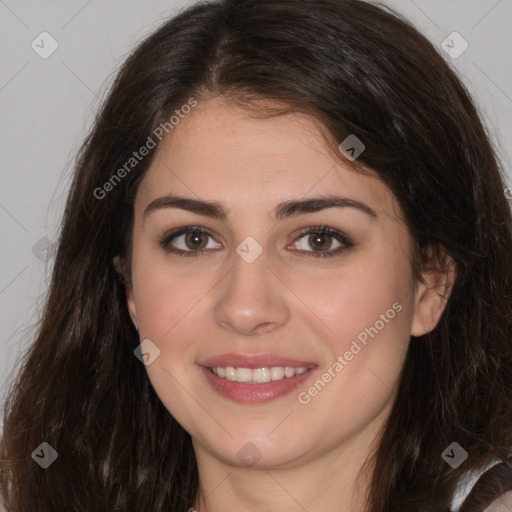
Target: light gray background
{"points": [[47, 106]]}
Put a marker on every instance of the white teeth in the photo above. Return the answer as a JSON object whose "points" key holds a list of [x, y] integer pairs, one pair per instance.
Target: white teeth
{"points": [[230, 373], [258, 375], [276, 372], [243, 374]]}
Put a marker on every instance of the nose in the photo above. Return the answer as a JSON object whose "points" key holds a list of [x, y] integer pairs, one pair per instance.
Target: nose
{"points": [[252, 299]]}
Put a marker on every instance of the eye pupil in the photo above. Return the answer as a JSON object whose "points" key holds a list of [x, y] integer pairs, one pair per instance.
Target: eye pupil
{"points": [[317, 239]]}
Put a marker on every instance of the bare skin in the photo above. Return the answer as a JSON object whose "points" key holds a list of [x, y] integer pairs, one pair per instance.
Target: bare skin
{"points": [[283, 303]]}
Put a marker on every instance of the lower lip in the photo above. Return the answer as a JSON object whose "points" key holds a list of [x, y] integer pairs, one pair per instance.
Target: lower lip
{"points": [[254, 393]]}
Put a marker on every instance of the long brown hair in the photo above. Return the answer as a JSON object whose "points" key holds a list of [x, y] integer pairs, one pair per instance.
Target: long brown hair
{"points": [[360, 69]]}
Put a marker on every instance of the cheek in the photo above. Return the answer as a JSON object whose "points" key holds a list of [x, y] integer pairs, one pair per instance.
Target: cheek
{"points": [[164, 296], [166, 302], [361, 296], [368, 314], [367, 307]]}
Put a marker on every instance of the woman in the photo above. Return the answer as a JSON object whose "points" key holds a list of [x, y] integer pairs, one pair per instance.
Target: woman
{"points": [[283, 280]]}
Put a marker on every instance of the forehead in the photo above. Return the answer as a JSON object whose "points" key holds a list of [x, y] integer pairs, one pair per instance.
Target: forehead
{"points": [[222, 152]]}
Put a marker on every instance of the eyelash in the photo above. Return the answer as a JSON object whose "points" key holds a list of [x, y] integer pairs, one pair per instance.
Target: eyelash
{"points": [[334, 233]]}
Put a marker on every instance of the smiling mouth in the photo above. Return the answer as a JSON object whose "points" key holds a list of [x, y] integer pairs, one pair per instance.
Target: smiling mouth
{"points": [[257, 375]]}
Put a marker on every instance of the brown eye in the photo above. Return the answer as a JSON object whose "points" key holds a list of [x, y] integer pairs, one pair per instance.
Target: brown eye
{"points": [[320, 242], [320, 239], [196, 240], [189, 241]]}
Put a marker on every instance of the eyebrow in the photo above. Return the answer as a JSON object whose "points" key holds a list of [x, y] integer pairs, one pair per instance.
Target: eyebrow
{"points": [[283, 210]]}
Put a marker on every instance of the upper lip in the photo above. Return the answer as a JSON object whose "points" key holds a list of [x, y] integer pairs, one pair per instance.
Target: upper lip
{"points": [[253, 361]]}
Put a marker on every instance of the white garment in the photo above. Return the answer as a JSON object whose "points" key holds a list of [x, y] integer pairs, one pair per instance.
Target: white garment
{"points": [[465, 486]]}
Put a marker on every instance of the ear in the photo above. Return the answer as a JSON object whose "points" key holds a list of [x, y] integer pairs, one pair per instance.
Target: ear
{"points": [[131, 304], [433, 291], [121, 267]]}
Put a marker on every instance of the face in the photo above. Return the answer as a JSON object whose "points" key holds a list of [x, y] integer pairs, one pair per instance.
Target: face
{"points": [[282, 325]]}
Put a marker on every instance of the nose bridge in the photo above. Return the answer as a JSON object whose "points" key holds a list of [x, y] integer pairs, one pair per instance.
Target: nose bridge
{"points": [[251, 298]]}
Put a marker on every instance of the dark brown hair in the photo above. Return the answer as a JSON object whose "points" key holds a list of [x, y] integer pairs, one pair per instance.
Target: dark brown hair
{"points": [[358, 68]]}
